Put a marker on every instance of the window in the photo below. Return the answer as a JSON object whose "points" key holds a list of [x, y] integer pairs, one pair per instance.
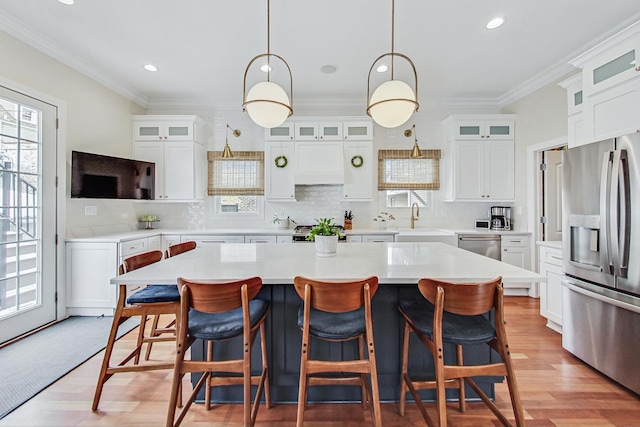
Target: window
{"points": [[406, 180], [237, 182]]}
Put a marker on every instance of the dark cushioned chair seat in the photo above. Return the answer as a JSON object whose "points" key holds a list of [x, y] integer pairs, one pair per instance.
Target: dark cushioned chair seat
{"points": [[337, 326], [155, 293], [456, 329], [221, 326]]}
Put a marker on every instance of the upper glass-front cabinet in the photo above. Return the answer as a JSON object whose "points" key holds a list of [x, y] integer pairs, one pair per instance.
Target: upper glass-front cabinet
{"points": [[358, 131], [484, 129], [161, 130], [284, 132], [612, 67]]}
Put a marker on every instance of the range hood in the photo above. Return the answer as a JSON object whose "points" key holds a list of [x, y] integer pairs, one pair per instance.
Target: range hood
{"points": [[319, 162]]}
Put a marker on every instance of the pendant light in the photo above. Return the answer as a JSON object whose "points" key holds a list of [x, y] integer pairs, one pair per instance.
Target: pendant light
{"points": [[226, 153], [415, 153], [267, 103], [394, 101]]}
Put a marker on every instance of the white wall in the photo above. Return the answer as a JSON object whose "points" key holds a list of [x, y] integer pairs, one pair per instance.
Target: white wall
{"points": [[542, 116], [97, 121]]}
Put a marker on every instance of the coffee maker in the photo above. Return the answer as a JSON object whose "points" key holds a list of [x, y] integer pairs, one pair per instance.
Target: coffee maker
{"points": [[500, 217]]}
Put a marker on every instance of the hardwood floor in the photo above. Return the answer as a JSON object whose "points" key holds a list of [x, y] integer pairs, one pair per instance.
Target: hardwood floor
{"points": [[556, 390]]}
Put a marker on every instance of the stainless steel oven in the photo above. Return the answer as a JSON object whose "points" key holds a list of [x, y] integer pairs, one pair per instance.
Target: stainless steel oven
{"points": [[301, 232]]}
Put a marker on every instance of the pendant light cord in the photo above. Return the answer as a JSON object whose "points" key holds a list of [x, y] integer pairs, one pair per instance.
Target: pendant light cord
{"points": [[268, 40], [393, 32]]}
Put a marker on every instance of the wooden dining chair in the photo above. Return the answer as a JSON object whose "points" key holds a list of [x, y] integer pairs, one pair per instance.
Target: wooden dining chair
{"points": [[152, 300], [216, 312], [454, 313], [170, 328], [338, 311]]}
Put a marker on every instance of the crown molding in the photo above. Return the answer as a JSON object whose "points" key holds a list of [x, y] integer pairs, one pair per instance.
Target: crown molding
{"points": [[33, 38]]}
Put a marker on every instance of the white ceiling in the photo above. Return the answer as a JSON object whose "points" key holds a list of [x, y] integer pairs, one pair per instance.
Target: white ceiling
{"points": [[202, 47]]}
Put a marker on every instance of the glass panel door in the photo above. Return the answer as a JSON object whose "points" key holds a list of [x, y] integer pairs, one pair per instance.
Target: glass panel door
{"points": [[27, 213]]}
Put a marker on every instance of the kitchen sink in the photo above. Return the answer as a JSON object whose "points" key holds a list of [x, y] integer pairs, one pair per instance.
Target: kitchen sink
{"points": [[427, 235]]}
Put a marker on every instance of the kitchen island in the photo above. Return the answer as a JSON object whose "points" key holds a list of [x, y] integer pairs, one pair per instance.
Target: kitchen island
{"points": [[398, 266]]}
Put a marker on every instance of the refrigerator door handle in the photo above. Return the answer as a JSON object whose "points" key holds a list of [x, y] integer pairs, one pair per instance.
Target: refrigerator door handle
{"points": [[605, 188], [620, 204]]}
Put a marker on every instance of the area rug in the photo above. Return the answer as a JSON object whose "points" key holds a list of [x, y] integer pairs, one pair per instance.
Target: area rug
{"points": [[31, 364]]}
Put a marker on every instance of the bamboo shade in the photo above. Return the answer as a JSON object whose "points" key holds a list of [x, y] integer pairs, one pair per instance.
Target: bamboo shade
{"points": [[396, 171], [241, 175]]}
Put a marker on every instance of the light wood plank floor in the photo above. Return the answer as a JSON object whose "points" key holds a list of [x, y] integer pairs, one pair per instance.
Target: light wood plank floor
{"points": [[556, 390]]}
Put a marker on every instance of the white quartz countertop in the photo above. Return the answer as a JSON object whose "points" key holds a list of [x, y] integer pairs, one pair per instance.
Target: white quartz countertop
{"points": [[130, 235], [393, 263]]}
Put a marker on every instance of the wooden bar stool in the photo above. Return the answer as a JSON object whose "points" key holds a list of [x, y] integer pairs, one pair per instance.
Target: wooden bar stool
{"points": [[454, 313], [338, 311], [152, 300], [216, 312], [172, 250]]}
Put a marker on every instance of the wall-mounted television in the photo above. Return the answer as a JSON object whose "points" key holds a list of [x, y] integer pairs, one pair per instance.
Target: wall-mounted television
{"points": [[95, 176]]}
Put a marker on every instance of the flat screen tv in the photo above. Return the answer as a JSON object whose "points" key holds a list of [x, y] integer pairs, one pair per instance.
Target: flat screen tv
{"points": [[95, 176]]}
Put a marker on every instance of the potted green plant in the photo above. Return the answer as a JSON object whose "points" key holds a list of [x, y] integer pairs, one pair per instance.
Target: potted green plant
{"points": [[281, 222], [325, 234]]}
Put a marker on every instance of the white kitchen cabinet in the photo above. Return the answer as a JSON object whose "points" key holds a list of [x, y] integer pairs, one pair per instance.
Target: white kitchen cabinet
{"points": [[180, 161], [479, 127], [354, 238], [279, 183], [480, 171], [610, 84], [358, 171], [169, 240], [358, 130], [516, 251], [310, 131], [284, 132], [319, 162], [478, 167], [284, 239], [550, 265], [89, 268], [167, 128]]}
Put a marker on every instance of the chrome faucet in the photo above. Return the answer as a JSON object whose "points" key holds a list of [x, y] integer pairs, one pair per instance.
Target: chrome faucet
{"points": [[417, 215]]}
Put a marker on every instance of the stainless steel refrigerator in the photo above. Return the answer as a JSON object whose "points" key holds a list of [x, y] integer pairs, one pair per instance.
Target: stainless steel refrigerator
{"points": [[601, 256]]}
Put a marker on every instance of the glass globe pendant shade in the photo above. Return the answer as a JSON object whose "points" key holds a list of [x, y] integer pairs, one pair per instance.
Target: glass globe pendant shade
{"points": [[267, 104], [392, 103]]}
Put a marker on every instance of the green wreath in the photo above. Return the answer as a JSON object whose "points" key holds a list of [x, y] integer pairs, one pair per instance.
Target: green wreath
{"points": [[357, 161], [281, 161]]}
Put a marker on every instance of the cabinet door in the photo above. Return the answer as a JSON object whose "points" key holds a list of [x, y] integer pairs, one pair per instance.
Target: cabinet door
{"points": [[611, 68], [283, 132], [330, 131], [319, 162], [306, 131], [354, 238], [89, 269], [576, 134], [153, 152], [499, 171], [279, 181], [551, 293], [469, 170], [614, 112], [155, 243], [358, 131], [178, 170], [178, 130], [358, 170], [499, 129], [469, 129], [169, 241], [148, 130]]}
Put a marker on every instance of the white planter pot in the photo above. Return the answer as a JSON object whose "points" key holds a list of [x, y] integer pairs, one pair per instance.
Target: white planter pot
{"points": [[326, 246], [283, 224]]}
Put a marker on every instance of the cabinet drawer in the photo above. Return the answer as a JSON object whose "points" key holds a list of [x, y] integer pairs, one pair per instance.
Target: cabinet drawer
{"points": [[514, 241], [207, 240], [551, 256], [133, 247]]}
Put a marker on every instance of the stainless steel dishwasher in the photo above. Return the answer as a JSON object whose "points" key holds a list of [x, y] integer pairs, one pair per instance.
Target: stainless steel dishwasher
{"points": [[483, 244]]}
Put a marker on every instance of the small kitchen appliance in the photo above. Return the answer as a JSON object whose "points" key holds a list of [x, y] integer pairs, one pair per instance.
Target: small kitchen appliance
{"points": [[500, 217]]}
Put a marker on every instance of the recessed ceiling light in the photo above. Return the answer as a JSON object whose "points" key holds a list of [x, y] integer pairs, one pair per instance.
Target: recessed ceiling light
{"points": [[150, 67], [495, 23], [328, 69], [266, 68], [69, 2], [382, 68]]}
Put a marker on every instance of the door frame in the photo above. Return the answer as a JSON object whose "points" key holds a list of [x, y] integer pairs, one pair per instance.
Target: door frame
{"points": [[61, 188], [534, 190]]}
